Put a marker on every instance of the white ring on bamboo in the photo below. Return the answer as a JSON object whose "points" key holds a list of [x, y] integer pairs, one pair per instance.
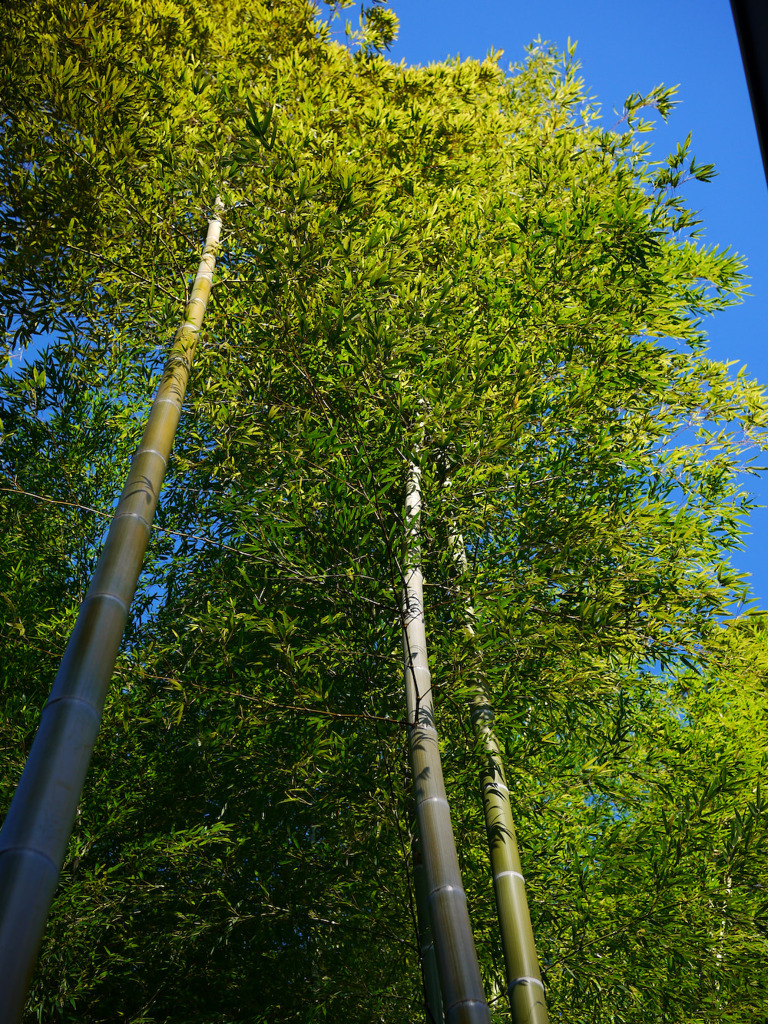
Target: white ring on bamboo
{"points": [[133, 515], [152, 451], [466, 1002], [514, 874], [448, 888], [522, 980], [111, 597], [434, 800]]}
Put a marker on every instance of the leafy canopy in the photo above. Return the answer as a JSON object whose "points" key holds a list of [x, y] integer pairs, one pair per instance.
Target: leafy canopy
{"points": [[453, 248]]}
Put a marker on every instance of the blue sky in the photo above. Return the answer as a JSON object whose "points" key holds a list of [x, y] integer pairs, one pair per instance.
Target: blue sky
{"points": [[625, 48]]}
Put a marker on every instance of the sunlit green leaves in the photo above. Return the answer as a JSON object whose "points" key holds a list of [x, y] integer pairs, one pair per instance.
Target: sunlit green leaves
{"points": [[446, 246]]}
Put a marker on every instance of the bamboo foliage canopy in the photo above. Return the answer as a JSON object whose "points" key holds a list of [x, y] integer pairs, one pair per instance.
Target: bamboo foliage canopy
{"points": [[457, 239]]}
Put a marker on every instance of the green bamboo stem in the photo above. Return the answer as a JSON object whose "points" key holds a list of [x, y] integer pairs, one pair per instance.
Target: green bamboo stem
{"points": [[433, 1003], [525, 989], [36, 830], [524, 985], [458, 970]]}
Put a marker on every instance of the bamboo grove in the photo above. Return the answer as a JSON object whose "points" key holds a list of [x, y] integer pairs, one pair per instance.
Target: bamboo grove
{"points": [[451, 395]]}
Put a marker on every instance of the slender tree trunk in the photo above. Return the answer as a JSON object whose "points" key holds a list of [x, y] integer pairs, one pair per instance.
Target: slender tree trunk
{"points": [[433, 1004], [524, 986], [34, 837], [460, 983]]}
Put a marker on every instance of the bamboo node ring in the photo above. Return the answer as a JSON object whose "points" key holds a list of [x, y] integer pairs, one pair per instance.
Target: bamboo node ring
{"points": [[522, 981]]}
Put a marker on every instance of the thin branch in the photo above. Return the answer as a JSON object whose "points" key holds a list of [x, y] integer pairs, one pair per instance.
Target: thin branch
{"points": [[108, 515], [125, 270], [317, 711]]}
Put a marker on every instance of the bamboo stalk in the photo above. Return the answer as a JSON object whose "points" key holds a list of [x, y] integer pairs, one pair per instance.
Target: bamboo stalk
{"points": [[460, 983], [525, 989], [36, 831], [433, 1004]]}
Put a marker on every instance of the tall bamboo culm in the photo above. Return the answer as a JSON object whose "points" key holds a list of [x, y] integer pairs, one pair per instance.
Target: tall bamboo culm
{"points": [[433, 1003], [36, 830], [525, 989], [460, 983]]}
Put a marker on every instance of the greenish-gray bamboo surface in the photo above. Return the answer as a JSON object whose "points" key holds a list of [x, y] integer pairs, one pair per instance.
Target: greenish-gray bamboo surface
{"points": [[460, 983], [525, 989], [36, 830], [433, 1004], [524, 985]]}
